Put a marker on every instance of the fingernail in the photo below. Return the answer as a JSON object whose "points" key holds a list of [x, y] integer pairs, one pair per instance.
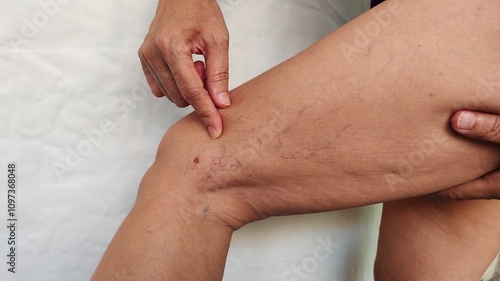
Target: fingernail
{"points": [[214, 133], [223, 98], [466, 120]]}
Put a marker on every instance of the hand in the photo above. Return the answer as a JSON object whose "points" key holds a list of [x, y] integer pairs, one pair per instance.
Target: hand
{"points": [[182, 28], [482, 126]]}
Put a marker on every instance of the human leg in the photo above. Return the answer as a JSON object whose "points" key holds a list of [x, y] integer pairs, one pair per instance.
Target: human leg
{"points": [[430, 238], [314, 135]]}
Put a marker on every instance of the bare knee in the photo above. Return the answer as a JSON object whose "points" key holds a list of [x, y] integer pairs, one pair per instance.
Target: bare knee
{"points": [[206, 175]]}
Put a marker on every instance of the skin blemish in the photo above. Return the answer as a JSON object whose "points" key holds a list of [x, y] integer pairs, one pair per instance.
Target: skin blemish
{"points": [[196, 160]]}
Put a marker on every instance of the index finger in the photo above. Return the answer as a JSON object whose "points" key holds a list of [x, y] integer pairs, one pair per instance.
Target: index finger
{"points": [[191, 87]]}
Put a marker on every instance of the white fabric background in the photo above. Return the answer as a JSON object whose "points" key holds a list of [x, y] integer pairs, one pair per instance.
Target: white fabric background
{"points": [[82, 126]]}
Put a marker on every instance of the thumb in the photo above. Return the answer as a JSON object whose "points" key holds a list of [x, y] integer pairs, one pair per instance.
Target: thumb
{"points": [[478, 125], [485, 187], [217, 75]]}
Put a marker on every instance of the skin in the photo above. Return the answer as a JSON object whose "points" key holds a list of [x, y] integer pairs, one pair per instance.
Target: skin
{"points": [[179, 29], [166, 61], [485, 127], [343, 143], [430, 238]]}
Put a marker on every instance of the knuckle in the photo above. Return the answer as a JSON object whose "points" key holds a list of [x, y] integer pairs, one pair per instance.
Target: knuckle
{"points": [[162, 42], [223, 39], [170, 47], [223, 35], [191, 94], [218, 39], [220, 74], [204, 114], [140, 52], [146, 51], [490, 130]]}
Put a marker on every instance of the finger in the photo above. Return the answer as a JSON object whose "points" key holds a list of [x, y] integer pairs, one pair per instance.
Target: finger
{"points": [[158, 68], [171, 95], [152, 80], [486, 187], [200, 68], [168, 81], [191, 87], [217, 73], [478, 125]]}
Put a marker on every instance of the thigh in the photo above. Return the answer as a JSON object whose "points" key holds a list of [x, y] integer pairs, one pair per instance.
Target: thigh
{"points": [[334, 127], [326, 130], [430, 238]]}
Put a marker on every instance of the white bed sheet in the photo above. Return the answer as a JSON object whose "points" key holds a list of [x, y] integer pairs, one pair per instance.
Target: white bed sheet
{"points": [[82, 127]]}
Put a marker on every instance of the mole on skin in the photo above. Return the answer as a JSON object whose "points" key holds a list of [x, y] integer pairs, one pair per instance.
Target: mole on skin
{"points": [[196, 160]]}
